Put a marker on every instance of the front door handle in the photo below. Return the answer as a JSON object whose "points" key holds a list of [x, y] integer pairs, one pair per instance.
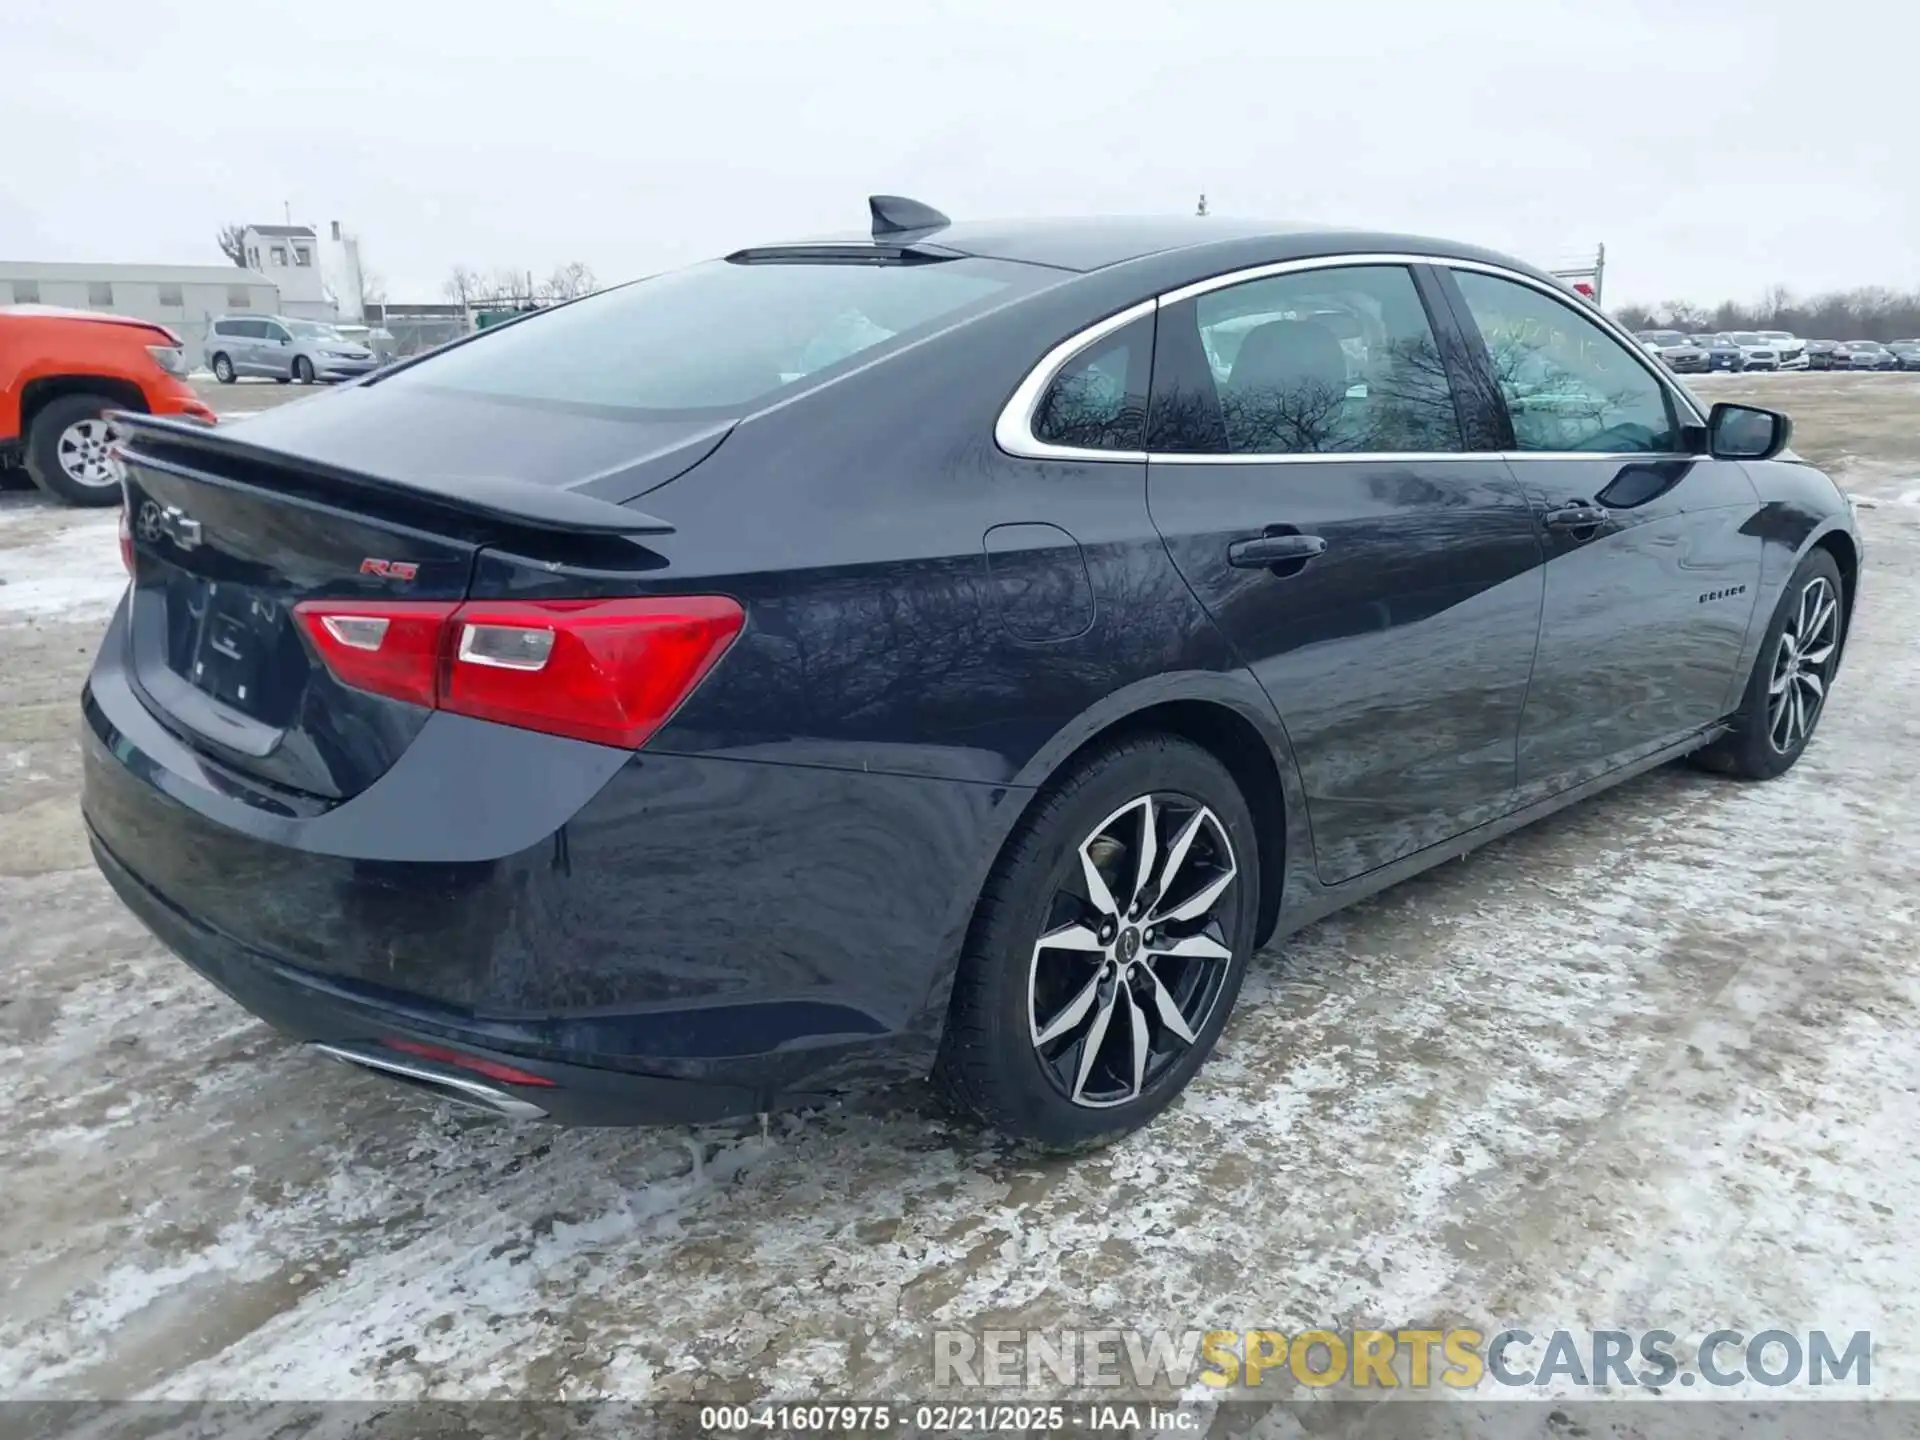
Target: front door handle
{"points": [[1266, 550], [1579, 515]]}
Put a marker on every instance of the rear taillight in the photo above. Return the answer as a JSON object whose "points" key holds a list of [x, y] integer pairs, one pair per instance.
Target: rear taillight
{"points": [[609, 671]]}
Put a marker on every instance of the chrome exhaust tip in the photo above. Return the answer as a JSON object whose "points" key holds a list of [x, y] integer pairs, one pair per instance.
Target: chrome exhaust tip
{"points": [[451, 1087]]}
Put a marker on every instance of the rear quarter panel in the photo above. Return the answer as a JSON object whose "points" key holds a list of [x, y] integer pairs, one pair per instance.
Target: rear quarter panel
{"points": [[889, 634]]}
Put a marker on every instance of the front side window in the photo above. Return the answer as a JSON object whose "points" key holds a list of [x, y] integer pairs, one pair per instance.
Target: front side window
{"points": [[1318, 362], [720, 337], [1098, 401], [1567, 383], [274, 332]]}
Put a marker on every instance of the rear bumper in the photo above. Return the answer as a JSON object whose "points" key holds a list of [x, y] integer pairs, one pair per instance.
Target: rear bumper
{"points": [[668, 937], [356, 1019]]}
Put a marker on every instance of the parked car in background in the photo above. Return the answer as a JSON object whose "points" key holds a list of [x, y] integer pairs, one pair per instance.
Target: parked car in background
{"points": [[278, 347], [61, 372], [480, 734], [1758, 352], [1722, 353], [1866, 355], [1673, 347], [1907, 352], [1792, 349], [1820, 354], [1676, 351], [380, 341]]}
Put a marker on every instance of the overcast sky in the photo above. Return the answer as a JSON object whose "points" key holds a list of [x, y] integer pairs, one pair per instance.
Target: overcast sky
{"points": [[1715, 146]]}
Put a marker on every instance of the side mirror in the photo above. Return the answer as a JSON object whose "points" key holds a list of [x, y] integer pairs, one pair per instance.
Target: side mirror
{"points": [[1746, 432]]}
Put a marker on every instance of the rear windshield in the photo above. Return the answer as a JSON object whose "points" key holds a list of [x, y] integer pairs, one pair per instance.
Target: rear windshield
{"points": [[721, 336]]}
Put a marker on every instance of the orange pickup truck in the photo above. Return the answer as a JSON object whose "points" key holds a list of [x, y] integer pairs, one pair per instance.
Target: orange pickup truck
{"points": [[61, 372]]}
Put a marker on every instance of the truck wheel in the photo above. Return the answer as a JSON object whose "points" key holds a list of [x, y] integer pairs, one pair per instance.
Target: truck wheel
{"points": [[67, 450]]}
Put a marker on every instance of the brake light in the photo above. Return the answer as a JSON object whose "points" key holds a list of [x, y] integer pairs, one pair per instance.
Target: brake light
{"points": [[609, 671]]}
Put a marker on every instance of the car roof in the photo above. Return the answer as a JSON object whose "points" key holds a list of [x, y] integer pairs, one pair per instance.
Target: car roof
{"points": [[1094, 243]]}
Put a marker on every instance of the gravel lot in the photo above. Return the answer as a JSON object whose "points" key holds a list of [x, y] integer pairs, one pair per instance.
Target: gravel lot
{"points": [[1651, 1063]]}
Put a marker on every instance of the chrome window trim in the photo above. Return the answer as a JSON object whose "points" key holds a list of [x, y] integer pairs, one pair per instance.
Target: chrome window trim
{"points": [[1389, 457], [1013, 429]]}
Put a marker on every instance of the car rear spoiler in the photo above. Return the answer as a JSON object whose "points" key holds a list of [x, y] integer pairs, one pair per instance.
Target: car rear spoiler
{"points": [[484, 497]]}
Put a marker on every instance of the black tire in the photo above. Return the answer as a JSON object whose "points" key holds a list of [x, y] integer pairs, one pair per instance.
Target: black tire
{"points": [[279, 379], [1753, 749], [991, 1066], [302, 370], [66, 447], [223, 369]]}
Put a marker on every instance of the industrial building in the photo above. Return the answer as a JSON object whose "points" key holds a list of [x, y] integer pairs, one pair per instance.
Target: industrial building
{"points": [[184, 298]]}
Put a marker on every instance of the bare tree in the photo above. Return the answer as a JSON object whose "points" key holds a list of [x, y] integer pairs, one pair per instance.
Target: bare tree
{"points": [[463, 285], [1872, 312], [232, 240], [567, 282]]}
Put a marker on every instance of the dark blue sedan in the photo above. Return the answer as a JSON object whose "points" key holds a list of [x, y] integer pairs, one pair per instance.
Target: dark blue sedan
{"points": [[950, 649], [1722, 353]]}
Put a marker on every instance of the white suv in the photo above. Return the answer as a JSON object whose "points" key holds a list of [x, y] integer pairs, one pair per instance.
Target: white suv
{"points": [[1792, 350]]}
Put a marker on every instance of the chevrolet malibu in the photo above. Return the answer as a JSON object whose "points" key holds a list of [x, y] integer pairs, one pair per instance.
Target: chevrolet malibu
{"points": [[952, 649]]}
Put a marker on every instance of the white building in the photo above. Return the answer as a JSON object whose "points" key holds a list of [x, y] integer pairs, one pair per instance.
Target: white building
{"points": [[184, 298], [289, 256]]}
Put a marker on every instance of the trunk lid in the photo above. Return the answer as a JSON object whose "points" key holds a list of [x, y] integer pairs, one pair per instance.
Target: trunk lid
{"points": [[227, 537]]}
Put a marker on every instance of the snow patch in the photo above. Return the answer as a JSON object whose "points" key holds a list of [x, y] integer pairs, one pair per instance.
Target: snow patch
{"points": [[73, 573]]}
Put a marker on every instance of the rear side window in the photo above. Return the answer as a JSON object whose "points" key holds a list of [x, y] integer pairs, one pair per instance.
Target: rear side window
{"points": [[721, 336], [1098, 401], [1329, 361]]}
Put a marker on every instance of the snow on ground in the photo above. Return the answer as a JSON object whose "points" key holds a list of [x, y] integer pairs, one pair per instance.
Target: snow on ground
{"points": [[1652, 1063], [57, 564]]}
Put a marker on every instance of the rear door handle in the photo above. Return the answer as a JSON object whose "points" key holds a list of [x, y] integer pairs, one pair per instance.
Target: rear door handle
{"points": [[1578, 516], [1265, 550]]}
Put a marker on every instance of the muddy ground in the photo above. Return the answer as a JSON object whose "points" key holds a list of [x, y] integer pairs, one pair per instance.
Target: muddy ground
{"points": [[1655, 1062]]}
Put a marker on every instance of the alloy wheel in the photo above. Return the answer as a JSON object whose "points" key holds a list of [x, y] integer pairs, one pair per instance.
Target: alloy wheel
{"points": [[1135, 950], [82, 452], [1803, 666]]}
